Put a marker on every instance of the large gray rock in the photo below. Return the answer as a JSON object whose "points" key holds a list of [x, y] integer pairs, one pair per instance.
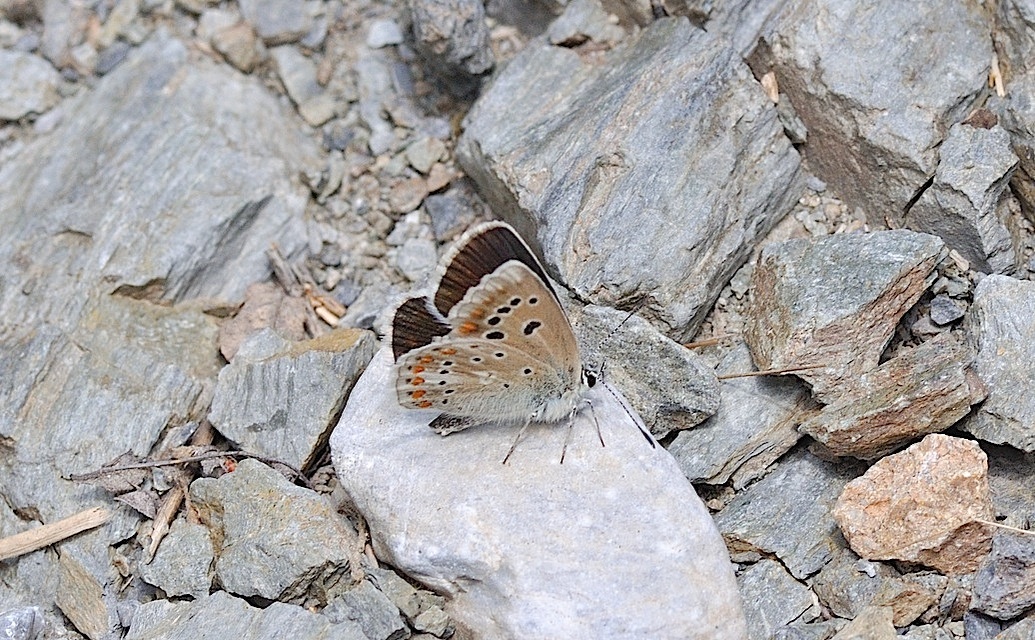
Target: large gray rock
{"points": [[520, 550], [756, 423], [834, 303], [787, 513], [279, 399], [212, 616], [28, 84], [161, 222], [1000, 328], [962, 204], [860, 81], [649, 174], [70, 402], [124, 204], [271, 538]]}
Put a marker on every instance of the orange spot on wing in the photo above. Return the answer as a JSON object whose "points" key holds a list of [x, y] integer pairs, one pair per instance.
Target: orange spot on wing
{"points": [[426, 359], [425, 405], [416, 368], [418, 381], [418, 394], [467, 328], [448, 352], [478, 313]]}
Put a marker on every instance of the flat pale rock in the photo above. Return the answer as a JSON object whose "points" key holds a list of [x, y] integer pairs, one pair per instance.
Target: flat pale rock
{"points": [[614, 543], [1000, 328], [600, 162], [920, 505], [920, 391], [847, 584], [872, 623], [835, 302], [183, 564]]}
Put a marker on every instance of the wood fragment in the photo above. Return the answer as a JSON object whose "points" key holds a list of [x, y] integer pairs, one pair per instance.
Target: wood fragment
{"points": [[1000, 525], [170, 506], [995, 77], [709, 342], [771, 88], [769, 372], [327, 316], [48, 534], [283, 272], [171, 501]]}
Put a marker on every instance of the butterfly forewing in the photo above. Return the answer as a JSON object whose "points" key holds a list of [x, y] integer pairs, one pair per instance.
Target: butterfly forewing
{"points": [[509, 353], [482, 250]]}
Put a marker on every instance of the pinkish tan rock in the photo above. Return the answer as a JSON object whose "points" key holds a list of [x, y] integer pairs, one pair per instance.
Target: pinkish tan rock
{"points": [[922, 505]]}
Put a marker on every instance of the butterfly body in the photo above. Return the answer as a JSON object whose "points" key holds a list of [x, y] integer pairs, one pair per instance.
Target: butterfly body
{"points": [[493, 344]]}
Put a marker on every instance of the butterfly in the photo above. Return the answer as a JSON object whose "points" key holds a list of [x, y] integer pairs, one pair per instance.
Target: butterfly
{"points": [[493, 344]]}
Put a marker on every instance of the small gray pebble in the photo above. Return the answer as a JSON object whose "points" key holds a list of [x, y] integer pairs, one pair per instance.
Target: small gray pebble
{"points": [[816, 184], [383, 33], [945, 310]]}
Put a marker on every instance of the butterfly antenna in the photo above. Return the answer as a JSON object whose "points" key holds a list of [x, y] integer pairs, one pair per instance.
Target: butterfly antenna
{"points": [[632, 416], [513, 446]]}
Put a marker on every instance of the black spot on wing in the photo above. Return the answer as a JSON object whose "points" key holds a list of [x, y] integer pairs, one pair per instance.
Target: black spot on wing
{"points": [[482, 254], [414, 326]]}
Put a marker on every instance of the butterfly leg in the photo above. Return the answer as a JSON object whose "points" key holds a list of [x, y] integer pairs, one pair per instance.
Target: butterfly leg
{"points": [[596, 422], [516, 440]]}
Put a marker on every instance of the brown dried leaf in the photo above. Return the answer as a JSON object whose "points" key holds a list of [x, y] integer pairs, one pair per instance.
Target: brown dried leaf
{"points": [[265, 305], [143, 501], [118, 482]]}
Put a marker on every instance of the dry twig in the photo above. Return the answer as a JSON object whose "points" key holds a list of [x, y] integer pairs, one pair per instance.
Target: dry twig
{"points": [[48, 534]]}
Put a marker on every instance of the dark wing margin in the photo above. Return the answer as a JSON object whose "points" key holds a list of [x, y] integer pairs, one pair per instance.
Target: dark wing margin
{"points": [[446, 424], [479, 256], [414, 326]]}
